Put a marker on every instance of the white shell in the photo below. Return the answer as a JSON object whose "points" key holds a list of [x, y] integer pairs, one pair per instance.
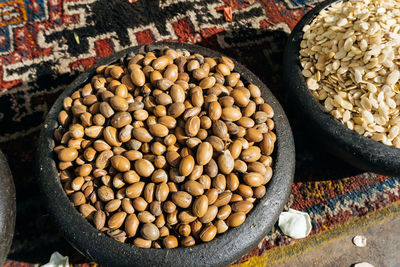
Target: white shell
{"points": [[360, 241], [294, 223], [363, 264]]}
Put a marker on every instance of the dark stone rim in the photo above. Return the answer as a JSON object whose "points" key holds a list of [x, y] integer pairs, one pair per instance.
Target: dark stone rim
{"points": [[7, 208], [363, 153], [220, 251]]}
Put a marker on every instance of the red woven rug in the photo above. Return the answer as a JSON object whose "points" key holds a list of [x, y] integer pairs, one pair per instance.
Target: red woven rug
{"points": [[44, 44]]}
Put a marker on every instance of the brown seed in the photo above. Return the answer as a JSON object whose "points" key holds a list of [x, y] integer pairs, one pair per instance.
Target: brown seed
{"points": [[68, 154], [78, 198], [101, 145], [164, 84], [112, 205], [158, 130], [235, 148], [219, 182], [167, 121], [110, 136], [105, 193], [210, 215], [236, 219], [214, 110], [99, 219], [196, 173], [232, 181], [103, 159], [76, 131], [186, 165], [127, 206], [131, 225], [142, 243], [173, 158], [253, 179], [226, 162], [204, 153], [119, 103], [212, 195], [170, 241], [142, 135], [220, 130], [205, 180], [242, 206], [245, 191], [120, 163], [184, 230], [246, 122], [177, 93], [200, 206], [155, 208], [211, 168], [121, 119], [94, 131], [176, 109], [134, 190], [169, 206], [267, 144], [253, 135], [146, 217], [224, 212], [207, 82], [258, 167], [223, 199], [87, 211], [223, 69], [150, 231], [186, 217], [139, 204], [117, 220], [251, 154], [171, 73], [259, 191], [148, 192], [231, 114], [241, 99], [197, 97], [216, 142], [182, 199], [208, 233], [260, 117], [192, 126], [137, 77], [194, 188], [221, 226], [161, 192], [144, 167], [163, 99]]}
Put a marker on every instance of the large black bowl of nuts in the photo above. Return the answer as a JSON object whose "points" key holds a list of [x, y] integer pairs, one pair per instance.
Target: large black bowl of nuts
{"points": [[342, 71], [168, 154]]}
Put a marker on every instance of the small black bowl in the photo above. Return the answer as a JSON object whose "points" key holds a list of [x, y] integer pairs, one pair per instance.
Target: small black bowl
{"points": [[7, 208], [359, 151], [223, 249]]}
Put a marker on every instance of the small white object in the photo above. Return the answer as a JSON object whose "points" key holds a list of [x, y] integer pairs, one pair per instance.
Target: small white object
{"points": [[294, 223], [360, 241], [363, 264], [57, 260]]}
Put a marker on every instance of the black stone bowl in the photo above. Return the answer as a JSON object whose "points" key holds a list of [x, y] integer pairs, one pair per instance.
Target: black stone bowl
{"points": [[359, 151], [7, 208], [223, 249]]}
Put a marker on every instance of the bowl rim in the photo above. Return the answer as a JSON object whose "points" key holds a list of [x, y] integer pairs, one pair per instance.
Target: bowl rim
{"points": [[7, 207], [98, 246], [360, 151]]}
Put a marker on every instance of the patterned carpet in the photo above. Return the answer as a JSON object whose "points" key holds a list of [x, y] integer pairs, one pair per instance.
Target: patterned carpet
{"points": [[44, 44]]}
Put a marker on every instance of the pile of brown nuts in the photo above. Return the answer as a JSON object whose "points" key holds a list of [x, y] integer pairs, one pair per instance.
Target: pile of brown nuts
{"points": [[165, 148]]}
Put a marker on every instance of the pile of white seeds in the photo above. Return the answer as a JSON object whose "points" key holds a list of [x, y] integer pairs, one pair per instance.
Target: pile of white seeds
{"points": [[350, 55]]}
